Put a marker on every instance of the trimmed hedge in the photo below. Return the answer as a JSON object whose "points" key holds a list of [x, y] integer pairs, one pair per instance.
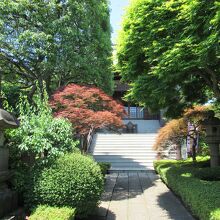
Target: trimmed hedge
{"points": [[72, 180], [187, 181], [53, 213]]}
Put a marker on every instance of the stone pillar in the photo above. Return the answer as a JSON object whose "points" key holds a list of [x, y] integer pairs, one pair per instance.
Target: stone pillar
{"points": [[8, 198], [212, 127], [2, 139], [214, 153]]}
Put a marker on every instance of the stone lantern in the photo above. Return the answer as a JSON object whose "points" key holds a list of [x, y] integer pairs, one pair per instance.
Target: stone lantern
{"points": [[212, 127], [7, 198]]}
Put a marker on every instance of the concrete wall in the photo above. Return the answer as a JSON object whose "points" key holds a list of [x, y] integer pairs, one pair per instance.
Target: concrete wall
{"points": [[145, 126]]}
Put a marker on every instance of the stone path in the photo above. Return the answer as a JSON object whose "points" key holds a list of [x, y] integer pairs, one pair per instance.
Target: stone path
{"points": [[139, 196]]}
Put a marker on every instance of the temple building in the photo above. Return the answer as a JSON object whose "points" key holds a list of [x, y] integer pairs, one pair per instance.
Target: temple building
{"points": [[138, 119]]}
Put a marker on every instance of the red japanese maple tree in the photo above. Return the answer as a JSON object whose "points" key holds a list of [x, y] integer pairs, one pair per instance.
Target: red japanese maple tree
{"points": [[88, 108]]}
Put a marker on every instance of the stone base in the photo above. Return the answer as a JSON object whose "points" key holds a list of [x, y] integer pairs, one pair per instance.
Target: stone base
{"points": [[8, 202]]}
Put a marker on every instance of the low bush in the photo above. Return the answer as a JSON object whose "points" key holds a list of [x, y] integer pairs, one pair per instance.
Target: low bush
{"points": [[185, 179], [72, 180], [53, 213], [104, 167]]}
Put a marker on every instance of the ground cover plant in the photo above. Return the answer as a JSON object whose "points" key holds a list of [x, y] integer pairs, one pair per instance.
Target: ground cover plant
{"points": [[52, 213], [197, 185], [72, 180]]}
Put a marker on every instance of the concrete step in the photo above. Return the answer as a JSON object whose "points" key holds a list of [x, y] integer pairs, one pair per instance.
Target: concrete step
{"points": [[125, 143], [149, 139], [121, 169], [124, 154], [117, 146], [125, 160], [125, 151], [121, 151]]}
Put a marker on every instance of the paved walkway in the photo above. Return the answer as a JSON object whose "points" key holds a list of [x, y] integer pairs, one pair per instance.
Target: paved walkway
{"points": [[139, 196]]}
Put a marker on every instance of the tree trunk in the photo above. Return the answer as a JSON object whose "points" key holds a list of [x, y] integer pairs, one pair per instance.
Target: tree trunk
{"points": [[215, 82], [194, 149], [178, 152], [41, 87], [83, 143], [1, 99], [31, 93]]}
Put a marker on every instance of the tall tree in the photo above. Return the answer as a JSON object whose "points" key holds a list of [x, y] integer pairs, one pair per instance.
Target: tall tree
{"points": [[170, 53], [56, 41]]}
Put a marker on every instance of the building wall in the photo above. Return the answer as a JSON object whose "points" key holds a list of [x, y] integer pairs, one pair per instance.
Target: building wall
{"points": [[145, 126]]}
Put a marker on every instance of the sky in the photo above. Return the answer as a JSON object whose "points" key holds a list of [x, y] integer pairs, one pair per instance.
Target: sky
{"points": [[117, 10]]}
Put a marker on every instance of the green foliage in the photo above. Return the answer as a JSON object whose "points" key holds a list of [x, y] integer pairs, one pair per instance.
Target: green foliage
{"points": [[20, 177], [204, 149], [10, 94], [186, 180], [56, 41], [73, 180], [40, 133], [210, 174], [216, 109], [104, 167], [169, 51], [52, 213]]}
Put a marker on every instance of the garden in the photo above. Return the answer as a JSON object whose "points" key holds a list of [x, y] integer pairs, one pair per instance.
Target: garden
{"points": [[56, 83], [56, 91], [196, 180], [168, 51], [198, 186], [52, 174]]}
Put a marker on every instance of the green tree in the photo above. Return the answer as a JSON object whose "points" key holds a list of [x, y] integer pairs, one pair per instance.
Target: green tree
{"points": [[170, 53], [55, 41]]}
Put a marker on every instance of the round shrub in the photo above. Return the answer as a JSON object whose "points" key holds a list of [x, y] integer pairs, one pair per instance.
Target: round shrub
{"points": [[72, 180]]}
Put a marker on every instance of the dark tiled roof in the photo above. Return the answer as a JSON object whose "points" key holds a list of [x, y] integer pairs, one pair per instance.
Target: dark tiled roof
{"points": [[121, 87]]}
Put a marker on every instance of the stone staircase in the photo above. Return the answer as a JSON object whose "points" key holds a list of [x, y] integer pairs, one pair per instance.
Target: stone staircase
{"points": [[125, 151]]}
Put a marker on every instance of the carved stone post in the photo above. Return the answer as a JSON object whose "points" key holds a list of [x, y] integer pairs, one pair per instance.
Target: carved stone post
{"points": [[8, 199], [212, 127]]}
